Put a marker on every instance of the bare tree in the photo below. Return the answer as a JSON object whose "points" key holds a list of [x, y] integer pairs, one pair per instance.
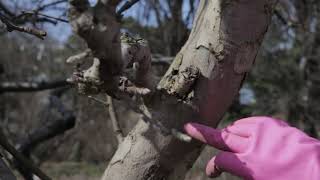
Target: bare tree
{"points": [[200, 84]]}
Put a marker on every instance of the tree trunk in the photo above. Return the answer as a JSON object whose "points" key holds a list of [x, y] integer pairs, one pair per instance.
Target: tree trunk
{"points": [[222, 47]]}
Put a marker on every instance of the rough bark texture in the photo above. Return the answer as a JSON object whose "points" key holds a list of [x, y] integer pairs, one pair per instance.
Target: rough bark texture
{"points": [[199, 86], [99, 27]]}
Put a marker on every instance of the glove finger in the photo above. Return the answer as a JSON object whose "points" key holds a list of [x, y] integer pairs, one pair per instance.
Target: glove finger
{"points": [[220, 139], [228, 162], [242, 130], [212, 170]]}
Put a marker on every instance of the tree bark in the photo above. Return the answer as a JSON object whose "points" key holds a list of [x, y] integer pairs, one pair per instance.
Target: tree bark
{"points": [[222, 47]]}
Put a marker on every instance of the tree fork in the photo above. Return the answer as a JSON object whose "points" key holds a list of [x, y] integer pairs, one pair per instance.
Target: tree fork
{"points": [[200, 84], [223, 45]]}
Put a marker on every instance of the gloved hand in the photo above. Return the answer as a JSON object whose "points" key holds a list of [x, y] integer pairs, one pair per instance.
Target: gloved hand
{"points": [[260, 148]]}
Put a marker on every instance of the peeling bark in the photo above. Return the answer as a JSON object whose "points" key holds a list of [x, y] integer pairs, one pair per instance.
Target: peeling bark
{"points": [[222, 46]]}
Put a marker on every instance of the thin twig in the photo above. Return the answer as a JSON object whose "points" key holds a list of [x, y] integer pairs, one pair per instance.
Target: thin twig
{"points": [[280, 17], [13, 27], [283, 20], [126, 6], [26, 13], [21, 159], [114, 120], [51, 4], [99, 101]]}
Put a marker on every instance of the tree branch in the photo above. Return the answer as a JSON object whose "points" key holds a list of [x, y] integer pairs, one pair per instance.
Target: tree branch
{"points": [[36, 13], [127, 5], [41, 8], [30, 86], [280, 17], [13, 27], [46, 132], [200, 85], [114, 120], [113, 116], [104, 43], [99, 101], [14, 22], [51, 129], [20, 158]]}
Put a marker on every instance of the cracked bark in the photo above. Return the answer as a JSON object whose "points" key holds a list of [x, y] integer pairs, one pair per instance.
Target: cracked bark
{"points": [[199, 86]]}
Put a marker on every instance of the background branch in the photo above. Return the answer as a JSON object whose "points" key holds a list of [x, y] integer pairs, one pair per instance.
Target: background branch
{"points": [[114, 120], [127, 5], [13, 27], [113, 117], [36, 13], [20, 158], [30, 86], [47, 131]]}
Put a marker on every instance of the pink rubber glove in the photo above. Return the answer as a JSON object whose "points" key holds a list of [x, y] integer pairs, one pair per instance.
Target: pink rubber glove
{"points": [[260, 148]]}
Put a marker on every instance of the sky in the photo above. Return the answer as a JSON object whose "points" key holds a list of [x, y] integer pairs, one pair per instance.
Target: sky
{"points": [[62, 31]]}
